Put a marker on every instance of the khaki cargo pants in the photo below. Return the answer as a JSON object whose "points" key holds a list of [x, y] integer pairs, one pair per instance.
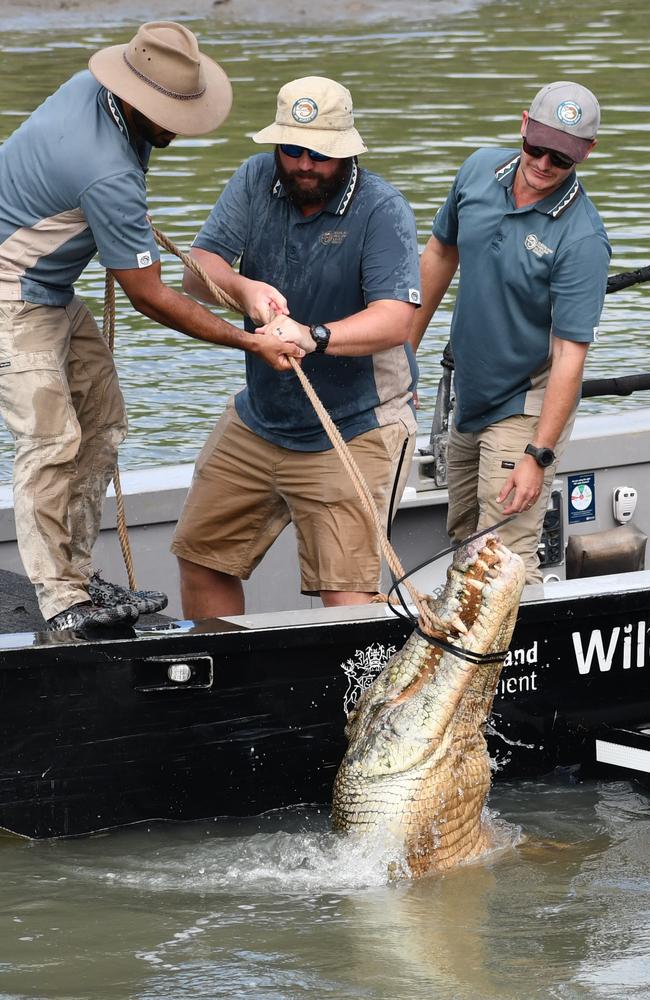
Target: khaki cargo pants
{"points": [[60, 399], [478, 466]]}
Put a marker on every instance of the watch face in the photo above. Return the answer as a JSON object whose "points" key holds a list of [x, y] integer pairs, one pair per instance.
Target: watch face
{"points": [[320, 335], [543, 456]]}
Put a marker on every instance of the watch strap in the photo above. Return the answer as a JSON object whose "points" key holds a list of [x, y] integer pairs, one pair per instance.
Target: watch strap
{"points": [[543, 456]]}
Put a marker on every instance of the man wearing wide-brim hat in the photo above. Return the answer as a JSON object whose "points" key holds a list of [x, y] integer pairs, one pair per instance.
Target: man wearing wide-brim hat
{"points": [[72, 184], [533, 255], [329, 262]]}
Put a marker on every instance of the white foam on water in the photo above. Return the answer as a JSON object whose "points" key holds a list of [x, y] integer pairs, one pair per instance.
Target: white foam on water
{"points": [[281, 860], [286, 861]]}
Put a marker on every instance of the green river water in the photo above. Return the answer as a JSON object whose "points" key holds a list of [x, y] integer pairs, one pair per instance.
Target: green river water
{"points": [[426, 94]]}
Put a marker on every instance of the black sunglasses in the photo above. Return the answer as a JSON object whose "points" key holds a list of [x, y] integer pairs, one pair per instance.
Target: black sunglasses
{"points": [[557, 159], [295, 152]]}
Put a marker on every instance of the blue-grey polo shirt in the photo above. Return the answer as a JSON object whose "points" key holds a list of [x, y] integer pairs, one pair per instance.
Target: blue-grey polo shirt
{"points": [[72, 183], [360, 248], [525, 273]]}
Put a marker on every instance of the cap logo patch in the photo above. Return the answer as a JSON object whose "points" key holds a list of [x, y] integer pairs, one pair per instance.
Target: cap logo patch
{"points": [[304, 110], [569, 113]]}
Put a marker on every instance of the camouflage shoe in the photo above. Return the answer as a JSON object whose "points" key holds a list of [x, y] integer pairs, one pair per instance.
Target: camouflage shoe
{"points": [[110, 595], [88, 616]]}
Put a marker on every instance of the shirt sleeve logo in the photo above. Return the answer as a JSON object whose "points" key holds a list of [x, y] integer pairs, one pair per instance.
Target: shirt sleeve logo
{"points": [[414, 296], [144, 259]]}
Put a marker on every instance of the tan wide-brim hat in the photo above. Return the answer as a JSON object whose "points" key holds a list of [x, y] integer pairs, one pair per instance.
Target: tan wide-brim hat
{"points": [[316, 113], [162, 73]]}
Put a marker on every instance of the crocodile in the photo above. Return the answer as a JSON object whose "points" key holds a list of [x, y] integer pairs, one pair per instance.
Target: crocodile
{"points": [[417, 765]]}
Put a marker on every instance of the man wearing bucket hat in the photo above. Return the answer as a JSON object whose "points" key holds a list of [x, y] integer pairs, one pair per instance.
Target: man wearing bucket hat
{"points": [[533, 256], [72, 184], [337, 247]]}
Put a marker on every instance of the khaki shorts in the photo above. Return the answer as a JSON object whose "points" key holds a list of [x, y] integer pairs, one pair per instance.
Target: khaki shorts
{"points": [[479, 465], [246, 490]]}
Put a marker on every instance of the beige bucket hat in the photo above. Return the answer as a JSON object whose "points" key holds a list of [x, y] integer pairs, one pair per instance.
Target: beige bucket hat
{"points": [[164, 76], [316, 113]]}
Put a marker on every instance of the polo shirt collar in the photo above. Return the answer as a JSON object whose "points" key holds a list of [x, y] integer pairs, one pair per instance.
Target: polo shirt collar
{"points": [[113, 107], [340, 201], [556, 203]]}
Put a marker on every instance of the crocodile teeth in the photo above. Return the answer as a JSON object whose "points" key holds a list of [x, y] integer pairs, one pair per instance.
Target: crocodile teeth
{"points": [[457, 624]]}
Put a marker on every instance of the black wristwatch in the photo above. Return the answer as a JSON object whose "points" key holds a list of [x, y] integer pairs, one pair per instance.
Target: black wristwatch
{"points": [[321, 337], [543, 456]]}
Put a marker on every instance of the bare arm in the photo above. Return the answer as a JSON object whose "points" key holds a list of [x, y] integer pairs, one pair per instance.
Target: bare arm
{"points": [[562, 392], [383, 324], [438, 265], [258, 300], [156, 300]]}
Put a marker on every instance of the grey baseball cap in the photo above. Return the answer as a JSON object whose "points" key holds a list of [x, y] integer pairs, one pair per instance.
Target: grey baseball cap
{"points": [[564, 116]]}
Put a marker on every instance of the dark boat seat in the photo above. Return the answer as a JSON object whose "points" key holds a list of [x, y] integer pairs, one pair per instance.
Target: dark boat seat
{"points": [[617, 550]]}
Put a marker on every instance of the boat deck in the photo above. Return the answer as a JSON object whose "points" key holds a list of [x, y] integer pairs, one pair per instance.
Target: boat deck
{"points": [[19, 611]]}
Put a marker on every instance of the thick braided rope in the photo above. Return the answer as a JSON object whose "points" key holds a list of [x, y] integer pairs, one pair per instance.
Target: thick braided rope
{"points": [[122, 531], [428, 620]]}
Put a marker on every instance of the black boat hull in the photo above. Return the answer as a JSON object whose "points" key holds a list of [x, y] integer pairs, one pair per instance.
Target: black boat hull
{"points": [[95, 734]]}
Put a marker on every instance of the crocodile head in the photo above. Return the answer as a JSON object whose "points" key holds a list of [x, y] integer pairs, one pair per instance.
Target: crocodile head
{"points": [[417, 764]]}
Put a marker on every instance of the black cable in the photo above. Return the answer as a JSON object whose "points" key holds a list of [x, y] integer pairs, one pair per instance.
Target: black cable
{"points": [[450, 548], [393, 496], [463, 654]]}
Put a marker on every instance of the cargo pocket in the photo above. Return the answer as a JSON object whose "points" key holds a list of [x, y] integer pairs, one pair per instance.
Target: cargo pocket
{"points": [[34, 397]]}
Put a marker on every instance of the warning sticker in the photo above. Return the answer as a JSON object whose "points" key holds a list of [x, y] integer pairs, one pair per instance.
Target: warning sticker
{"points": [[582, 497]]}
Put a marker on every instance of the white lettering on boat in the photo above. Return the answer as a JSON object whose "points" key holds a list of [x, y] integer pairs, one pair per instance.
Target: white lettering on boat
{"points": [[600, 652], [519, 683]]}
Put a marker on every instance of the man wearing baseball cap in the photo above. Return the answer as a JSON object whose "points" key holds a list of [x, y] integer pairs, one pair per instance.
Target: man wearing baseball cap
{"points": [[329, 262], [72, 185], [533, 255]]}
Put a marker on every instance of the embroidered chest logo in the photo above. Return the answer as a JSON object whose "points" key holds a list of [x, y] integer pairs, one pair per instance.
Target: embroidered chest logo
{"points": [[333, 238], [535, 245]]}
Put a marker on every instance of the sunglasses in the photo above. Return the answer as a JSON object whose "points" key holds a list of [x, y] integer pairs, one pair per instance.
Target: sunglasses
{"points": [[295, 152], [557, 159]]}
